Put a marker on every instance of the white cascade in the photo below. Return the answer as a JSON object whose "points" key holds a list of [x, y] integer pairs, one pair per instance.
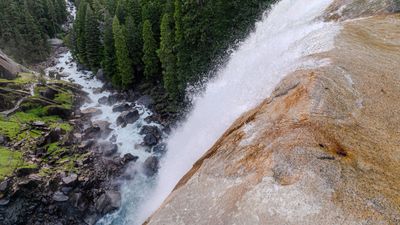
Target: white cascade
{"points": [[281, 42]]}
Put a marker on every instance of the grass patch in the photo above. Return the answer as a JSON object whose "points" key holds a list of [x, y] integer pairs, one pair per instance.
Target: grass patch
{"points": [[9, 162], [10, 129], [65, 99]]}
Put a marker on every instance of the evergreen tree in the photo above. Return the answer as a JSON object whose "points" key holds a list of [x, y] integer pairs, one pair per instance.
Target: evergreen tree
{"points": [[150, 59], [124, 76], [134, 41], [167, 56], [79, 29], [109, 62], [92, 38]]}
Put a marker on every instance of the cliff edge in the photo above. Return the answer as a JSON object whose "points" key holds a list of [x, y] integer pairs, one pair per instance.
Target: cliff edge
{"points": [[323, 149]]}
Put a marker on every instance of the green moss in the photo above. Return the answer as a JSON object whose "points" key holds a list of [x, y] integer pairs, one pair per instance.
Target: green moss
{"points": [[33, 115], [9, 161], [9, 128], [23, 78], [65, 99], [64, 126]]}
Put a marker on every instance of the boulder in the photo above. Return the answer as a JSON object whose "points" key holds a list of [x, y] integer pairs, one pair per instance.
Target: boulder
{"points": [[4, 185], [129, 158], [8, 68], [151, 166], [128, 117], [154, 130], [93, 132], [58, 196], [108, 202], [160, 148], [3, 139], [108, 149], [121, 107], [104, 126], [56, 110], [89, 112], [150, 140], [112, 99], [49, 93], [103, 100], [100, 75]]}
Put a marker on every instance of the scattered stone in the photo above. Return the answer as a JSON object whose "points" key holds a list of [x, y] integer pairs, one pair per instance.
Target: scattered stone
{"points": [[128, 117], [151, 166], [108, 202], [91, 112], [70, 180], [60, 197], [39, 124]]}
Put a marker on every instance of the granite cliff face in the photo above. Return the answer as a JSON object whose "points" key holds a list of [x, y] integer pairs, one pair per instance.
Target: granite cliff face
{"points": [[323, 149]]}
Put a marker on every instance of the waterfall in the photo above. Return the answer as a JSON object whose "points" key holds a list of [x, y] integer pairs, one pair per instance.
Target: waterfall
{"points": [[281, 42]]}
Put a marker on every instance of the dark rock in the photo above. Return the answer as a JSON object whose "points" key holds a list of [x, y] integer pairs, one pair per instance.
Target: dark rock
{"points": [[4, 185], [56, 110], [154, 130], [112, 99], [128, 117], [60, 197], [25, 171], [104, 126], [86, 144], [103, 100], [70, 180], [145, 100], [66, 190], [3, 140], [150, 140], [151, 166], [93, 132], [100, 75], [113, 138], [4, 202], [108, 149], [121, 107], [91, 219], [129, 158], [48, 93], [80, 67], [160, 148], [109, 201]]}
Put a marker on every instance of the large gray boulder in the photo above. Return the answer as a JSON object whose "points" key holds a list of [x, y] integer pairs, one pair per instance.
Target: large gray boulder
{"points": [[8, 67]]}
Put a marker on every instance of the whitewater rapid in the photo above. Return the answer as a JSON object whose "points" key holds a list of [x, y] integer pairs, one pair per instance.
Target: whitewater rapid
{"points": [[280, 44]]}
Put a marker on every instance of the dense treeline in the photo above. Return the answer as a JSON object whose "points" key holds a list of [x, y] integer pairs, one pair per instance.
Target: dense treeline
{"points": [[25, 26], [168, 42]]}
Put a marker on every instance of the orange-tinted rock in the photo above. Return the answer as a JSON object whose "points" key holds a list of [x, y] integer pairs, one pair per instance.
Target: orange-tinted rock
{"points": [[324, 149]]}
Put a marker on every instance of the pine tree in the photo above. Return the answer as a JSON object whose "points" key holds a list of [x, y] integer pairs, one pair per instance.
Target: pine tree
{"points": [[109, 61], [79, 30], [134, 41], [125, 74], [167, 56], [150, 59], [92, 38]]}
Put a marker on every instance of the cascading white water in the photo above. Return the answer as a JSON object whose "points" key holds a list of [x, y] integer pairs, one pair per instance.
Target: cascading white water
{"points": [[282, 40]]}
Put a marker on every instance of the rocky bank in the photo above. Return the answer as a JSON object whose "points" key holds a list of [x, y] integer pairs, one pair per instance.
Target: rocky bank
{"points": [[323, 149]]}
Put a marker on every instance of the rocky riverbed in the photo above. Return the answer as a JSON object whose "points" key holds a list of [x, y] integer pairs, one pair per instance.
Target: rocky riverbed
{"points": [[67, 141]]}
